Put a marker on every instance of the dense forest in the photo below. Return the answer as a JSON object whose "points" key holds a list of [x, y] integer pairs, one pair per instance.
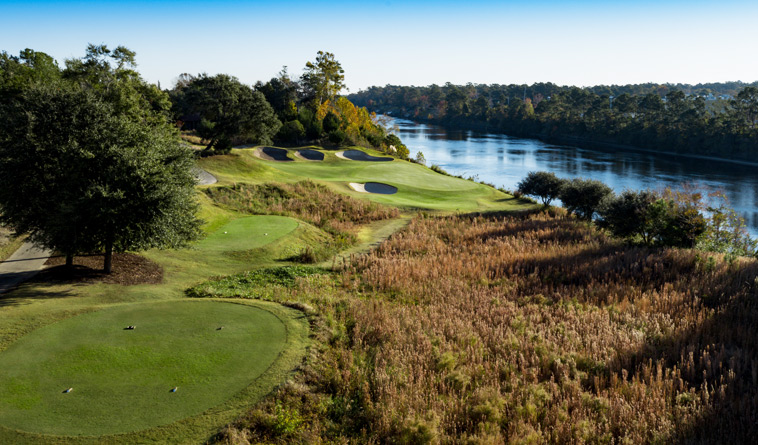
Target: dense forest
{"points": [[222, 111], [704, 119]]}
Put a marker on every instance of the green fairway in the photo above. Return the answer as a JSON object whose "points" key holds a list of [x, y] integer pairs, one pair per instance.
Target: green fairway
{"points": [[418, 187], [121, 379], [247, 233]]}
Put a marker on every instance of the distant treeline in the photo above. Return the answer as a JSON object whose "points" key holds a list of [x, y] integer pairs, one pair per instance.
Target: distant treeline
{"points": [[706, 119]]}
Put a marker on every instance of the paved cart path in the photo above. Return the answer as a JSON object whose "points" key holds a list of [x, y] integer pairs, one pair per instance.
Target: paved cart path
{"points": [[22, 265]]}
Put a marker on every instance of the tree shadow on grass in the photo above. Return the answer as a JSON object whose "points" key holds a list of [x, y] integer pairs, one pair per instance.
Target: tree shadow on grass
{"points": [[29, 291]]}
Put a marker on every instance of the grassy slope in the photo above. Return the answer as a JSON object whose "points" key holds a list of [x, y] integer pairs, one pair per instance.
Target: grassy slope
{"points": [[418, 186]]}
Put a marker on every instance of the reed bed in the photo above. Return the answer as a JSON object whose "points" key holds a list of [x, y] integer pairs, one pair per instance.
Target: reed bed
{"points": [[528, 329]]}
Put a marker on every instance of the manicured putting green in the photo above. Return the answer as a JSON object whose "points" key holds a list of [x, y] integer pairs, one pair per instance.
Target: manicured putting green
{"points": [[122, 379], [248, 233]]}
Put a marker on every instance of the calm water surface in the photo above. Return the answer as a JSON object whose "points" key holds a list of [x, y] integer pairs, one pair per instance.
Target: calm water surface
{"points": [[504, 161]]}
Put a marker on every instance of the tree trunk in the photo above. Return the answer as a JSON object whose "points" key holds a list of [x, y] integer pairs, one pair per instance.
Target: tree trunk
{"points": [[108, 262], [69, 262]]}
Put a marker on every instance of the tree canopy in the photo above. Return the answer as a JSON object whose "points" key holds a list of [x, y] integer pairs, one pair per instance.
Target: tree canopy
{"points": [[229, 110], [544, 185], [86, 169], [324, 78]]}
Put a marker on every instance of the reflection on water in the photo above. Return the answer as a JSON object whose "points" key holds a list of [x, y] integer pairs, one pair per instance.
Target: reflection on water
{"points": [[504, 161]]}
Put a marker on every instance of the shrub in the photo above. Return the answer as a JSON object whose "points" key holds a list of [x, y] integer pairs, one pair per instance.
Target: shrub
{"points": [[331, 122], [544, 185], [440, 170], [680, 223], [726, 232], [629, 215], [583, 196], [667, 219], [337, 136], [401, 151], [292, 131]]}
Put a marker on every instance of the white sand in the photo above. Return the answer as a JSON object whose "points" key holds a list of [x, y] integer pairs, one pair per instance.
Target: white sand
{"points": [[341, 154], [376, 188], [357, 186]]}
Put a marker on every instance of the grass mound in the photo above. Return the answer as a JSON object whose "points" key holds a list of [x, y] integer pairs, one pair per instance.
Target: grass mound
{"points": [[336, 214], [121, 379], [247, 233], [418, 186]]}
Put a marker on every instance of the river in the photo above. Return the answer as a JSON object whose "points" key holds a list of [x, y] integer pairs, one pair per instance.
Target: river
{"points": [[503, 161]]}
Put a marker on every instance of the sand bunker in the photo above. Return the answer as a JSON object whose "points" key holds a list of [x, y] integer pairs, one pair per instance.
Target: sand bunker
{"points": [[374, 187], [273, 154], [357, 155], [310, 155]]}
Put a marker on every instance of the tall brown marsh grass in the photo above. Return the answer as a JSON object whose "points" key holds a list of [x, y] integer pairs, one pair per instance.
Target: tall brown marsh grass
{"points": [[521, 330]]}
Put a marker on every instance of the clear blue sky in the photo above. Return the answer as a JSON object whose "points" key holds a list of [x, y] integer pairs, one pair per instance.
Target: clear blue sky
{"points": [[579, 42]]}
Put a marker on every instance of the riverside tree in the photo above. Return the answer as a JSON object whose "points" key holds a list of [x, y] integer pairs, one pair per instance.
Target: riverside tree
{"points": [[544, 185], [93, 165], [583, 196]]}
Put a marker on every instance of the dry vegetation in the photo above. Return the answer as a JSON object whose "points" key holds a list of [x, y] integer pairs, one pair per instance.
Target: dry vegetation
{"points": [[304, 200], [338, 215], [525, 330]]}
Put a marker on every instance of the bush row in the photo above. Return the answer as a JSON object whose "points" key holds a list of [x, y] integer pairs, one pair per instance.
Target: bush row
{"points": [[685, 218]]}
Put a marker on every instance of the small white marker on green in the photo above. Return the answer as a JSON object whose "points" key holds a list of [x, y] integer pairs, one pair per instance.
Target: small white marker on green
{"points": [[174, 389], [68, 390]]}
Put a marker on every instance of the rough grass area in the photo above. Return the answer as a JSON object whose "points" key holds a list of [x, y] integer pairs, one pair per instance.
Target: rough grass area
{"points": [[122, 379], [304, 200], [9, 243], [522, 330], [260, 284]]}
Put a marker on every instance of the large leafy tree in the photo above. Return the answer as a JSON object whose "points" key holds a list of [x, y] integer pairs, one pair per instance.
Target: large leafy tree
{"points": [[323, 78], [229, 109], [84, 168]]}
